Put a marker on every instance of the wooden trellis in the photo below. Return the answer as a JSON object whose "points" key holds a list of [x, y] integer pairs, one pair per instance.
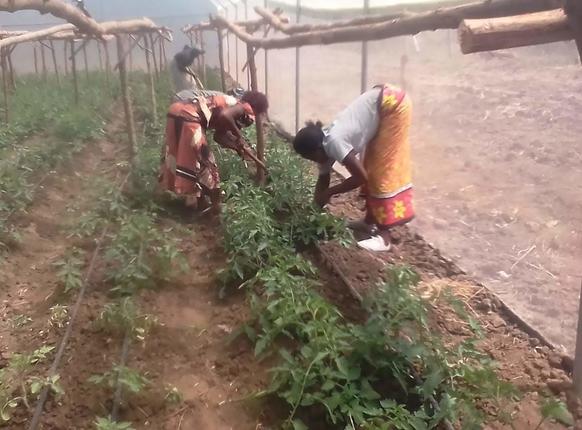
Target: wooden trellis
{"points": [[85, 30]]}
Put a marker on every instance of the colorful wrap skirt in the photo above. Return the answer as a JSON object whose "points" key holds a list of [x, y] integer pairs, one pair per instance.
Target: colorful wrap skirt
{"points": [[387, 162], [188, 165]]}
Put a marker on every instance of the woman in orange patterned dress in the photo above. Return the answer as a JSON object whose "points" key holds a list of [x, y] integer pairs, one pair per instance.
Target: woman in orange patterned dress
{"points": [[370, 138], [188, 167]]}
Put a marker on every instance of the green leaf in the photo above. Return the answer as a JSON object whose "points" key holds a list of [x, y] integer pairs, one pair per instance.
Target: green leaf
{"points": [[556, 410]]}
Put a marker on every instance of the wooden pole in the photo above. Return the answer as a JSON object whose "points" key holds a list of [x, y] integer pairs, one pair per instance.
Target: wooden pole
{"points": [[55, 63], [74, 71], [246, 3], [131, 60], [476, 35], [221, 59], [86, 59], [259, 118], [161, 49], [297, 72], [11, 69], [165, 57], [35, 61], [151, 79], [364, 70], [227, 47], [266, 63], [100, 53], [5, 85], [126, 98], [154, 59], [203, 57], [578, 356], [107, 64], [65, 49], [236, 62], [43, 62]]}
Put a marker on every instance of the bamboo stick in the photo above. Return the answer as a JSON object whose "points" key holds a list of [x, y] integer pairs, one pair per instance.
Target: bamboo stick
{"points": [[107, 64], [151, 80], [11, 69], [55, 63], [100, 53], [154, 59], [35, 61], [43, 61], [5, 84], [86, 59], [65, 45], [221, 59]]}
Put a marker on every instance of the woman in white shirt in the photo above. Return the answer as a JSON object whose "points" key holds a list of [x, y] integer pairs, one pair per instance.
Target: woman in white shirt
{"points": [[370, 138], [183, 78]]}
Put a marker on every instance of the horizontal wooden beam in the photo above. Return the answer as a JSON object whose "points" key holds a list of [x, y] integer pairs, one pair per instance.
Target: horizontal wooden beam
{"points": [[477, 35], [250, 26], [443, 18]]}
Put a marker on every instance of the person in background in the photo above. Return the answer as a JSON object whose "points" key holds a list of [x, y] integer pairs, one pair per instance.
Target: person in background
{"points": [[370, 138], [188, 166], [183, 78]]}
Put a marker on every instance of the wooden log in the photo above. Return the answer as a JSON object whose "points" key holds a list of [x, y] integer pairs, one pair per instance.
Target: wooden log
{"points": [[259, 118], [5, 90], [514, 31], [151, 79], [406, 25], [55, 63], [221, 59], [126, 97], [35, 35], [74, 72], [249, 25]]}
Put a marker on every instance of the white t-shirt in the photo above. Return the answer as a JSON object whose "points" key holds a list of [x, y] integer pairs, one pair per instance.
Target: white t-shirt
{"points": [[352, 129], [181, 80]]}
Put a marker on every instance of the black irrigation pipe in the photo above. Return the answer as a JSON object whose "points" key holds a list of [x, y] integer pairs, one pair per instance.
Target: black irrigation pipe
{"points": [[63, 344], [335, 268]]}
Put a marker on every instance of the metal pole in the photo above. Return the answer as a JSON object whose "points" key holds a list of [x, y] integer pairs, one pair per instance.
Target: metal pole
{"points": [[297, 71], [364, 76], [578, 356]]}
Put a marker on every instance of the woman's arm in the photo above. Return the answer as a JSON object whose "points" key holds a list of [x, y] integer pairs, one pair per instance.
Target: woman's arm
{"points": [[225, 121], [358, 178]]}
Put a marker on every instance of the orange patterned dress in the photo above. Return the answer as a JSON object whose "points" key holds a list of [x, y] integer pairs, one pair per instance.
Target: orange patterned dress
{"points": [[188, 166], [387, 162]]}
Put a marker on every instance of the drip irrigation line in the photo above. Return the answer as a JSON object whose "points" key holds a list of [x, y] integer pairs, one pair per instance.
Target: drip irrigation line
{"points": [[336, 269], [61, 349], [118, 396]]}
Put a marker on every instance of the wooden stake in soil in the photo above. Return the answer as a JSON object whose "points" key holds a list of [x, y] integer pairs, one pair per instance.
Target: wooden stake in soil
{"points": [[221, 59], [65, 49], [126, 98], [297, 74], [151, 79], [11, 68], [100, 53], [43, 60], [266, 65], [107, 64], [578, 357], [155, 64], [35, 61], [86, 59], [74, 71], [203, 58], [3, 54], [55, 63], [259, 118]]}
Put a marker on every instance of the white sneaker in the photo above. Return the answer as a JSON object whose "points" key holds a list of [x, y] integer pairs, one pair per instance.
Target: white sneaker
{"points": [[375, 244]]}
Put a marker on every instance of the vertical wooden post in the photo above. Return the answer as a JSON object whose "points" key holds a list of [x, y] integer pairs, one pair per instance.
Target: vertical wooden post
{"points": [[154, 59], [246, 3], [161, 62], [203, 57], [55, 63], [35, 61], [85, 58], [221, 59], [266, 63], [126, 99], [3, 54], [151, 79], [227, 45], [297, 72], [65, 49], [165, 56], [74, 71], [236, 45], [259, 118], [107, 64], [100, 53], [11, 68], [578, 354], [364, 71], [43, 61], [198, 63], [130, 68]]}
